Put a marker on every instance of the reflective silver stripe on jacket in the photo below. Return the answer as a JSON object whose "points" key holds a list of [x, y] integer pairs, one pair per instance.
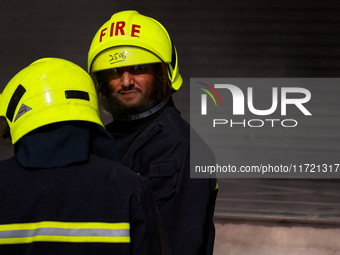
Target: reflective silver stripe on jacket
{"points": [[52, 231]]}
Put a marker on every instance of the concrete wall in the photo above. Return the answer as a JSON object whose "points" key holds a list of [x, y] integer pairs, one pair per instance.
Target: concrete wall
{"points": [[275, 239]]}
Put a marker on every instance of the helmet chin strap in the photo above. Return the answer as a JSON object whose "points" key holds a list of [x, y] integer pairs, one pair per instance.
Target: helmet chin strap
{"points": [[146, 113]]}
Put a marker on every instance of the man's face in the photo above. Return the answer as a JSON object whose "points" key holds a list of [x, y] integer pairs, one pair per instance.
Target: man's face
{"points": [[132, 89]]}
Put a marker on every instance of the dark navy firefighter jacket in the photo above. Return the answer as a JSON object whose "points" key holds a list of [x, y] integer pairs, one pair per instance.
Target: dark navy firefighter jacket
{"points": [[158, 148], [63, 194]]}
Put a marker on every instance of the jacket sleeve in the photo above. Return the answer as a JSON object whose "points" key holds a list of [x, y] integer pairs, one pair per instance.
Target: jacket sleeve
{"points": [[196, 217], [147, 233], [186, 204]]}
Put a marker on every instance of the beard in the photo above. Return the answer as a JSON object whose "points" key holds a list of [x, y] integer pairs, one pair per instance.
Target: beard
{"points": [[120, 107]]}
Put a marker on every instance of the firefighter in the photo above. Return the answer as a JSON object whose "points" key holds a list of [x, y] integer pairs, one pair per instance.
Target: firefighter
{"points": [[135, 66], [63, 192]]}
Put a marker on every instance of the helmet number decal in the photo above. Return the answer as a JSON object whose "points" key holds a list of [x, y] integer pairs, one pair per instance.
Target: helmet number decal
{"points": [[117, 57]]}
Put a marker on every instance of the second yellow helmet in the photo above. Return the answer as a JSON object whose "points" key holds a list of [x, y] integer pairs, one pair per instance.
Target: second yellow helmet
{"points": [[49, 90]]}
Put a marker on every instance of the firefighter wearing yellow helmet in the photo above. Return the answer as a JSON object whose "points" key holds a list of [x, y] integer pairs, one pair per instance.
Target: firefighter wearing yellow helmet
{"points": [[131, 41], [135, 65], [63, 192]]}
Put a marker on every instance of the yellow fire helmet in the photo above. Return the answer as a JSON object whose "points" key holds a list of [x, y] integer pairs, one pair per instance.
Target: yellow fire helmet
{"points": [[49, 90], [130, 38]]}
